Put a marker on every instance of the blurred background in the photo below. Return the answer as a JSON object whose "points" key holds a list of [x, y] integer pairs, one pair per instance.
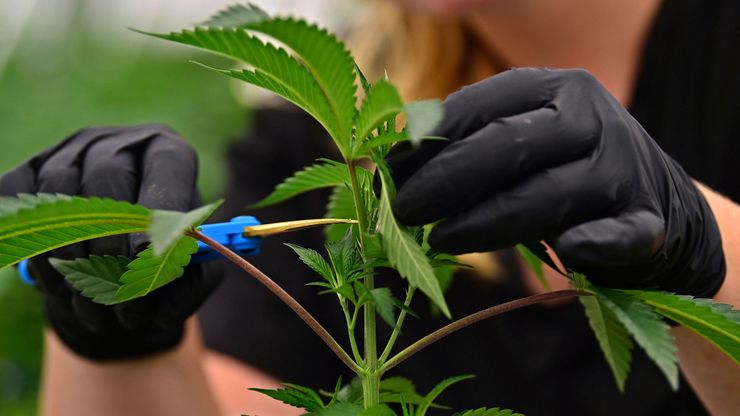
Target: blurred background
{"points": [[68, 64]]}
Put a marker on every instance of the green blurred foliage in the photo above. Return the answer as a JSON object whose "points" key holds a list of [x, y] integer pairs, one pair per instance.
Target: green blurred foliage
{"points": [[20, 345], [97, 83], [48, 90]]}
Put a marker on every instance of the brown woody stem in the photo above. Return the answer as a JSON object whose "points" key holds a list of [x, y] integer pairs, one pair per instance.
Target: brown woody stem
{"points": [[474, 318], [283, 295]]}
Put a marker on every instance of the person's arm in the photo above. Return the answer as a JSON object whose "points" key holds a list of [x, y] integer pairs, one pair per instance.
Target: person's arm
{"points": [[714, 376], [169, 383], [229, 380], [187, 380]]}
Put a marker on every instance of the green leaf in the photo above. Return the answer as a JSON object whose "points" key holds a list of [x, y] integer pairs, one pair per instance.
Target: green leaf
{"points": [[334, 395], [716, 322], [496, 411], [374, 247], [345, 257], [238, 15], [321, 175], [338, 409], [378, 410], [272, 68], [437, 390], [296, 396], [383, 300], [329, 61], [445, 274], [315, 261], [612, 336], [647, 328], [398, 384], [363, 79], [535, 264], [403, 252], [346, 291], [34, 224], [422, 117], [326, 58], [341, 205], [167, 227], [398, 389], [96, 277], [148, 272], [352, 392], [381, 103], [540, 251], [579, 282], [384, 139]]}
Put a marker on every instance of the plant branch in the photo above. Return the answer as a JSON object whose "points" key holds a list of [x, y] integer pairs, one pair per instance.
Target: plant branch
{"points": [[283, 295], [355, 314], [474, 318], [351, 331], [397, 327]]}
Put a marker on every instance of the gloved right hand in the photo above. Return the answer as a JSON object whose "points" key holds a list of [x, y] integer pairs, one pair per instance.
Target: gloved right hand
{"points": [[149, 165], [549, 154]]}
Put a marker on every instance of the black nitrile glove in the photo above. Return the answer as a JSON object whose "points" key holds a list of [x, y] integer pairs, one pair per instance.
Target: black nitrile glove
{"points": [[539, 154], [149, 165]]}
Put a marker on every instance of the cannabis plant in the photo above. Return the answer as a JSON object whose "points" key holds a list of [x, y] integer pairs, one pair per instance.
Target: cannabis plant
{"points": [[311, 68]]}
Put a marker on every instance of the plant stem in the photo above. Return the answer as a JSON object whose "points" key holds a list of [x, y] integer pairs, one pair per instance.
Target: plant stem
{"points": [[371, 389], [476, 317], [371, 394], [351, 331], [371, 378], [397, 328], [282, 295]]}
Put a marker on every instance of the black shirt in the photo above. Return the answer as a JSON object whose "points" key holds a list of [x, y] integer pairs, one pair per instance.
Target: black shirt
{"points": [[539, 361]]}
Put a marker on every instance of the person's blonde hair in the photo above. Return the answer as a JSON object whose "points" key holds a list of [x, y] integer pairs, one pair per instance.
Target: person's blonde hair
{"points": [[426, 57]]}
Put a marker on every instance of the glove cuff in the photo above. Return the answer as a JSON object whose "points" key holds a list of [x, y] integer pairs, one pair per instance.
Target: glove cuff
{"points": [[112, 345], [696, 266]]}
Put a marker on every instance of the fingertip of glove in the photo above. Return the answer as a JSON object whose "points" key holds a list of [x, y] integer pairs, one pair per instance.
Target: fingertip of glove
{"points": [[405, 209], [446, 239], [612, 242]]}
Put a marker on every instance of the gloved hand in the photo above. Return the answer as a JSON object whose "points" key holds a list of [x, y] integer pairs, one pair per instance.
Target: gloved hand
{"points": [[149, 165], [540, 154]]}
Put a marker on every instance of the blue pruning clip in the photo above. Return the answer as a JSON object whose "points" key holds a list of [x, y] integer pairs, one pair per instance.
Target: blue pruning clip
{"points": [[242, 234], [230, 234]]}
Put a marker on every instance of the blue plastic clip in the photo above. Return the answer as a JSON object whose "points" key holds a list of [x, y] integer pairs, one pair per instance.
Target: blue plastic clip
{"points": [[230, 234], [25, 274]]}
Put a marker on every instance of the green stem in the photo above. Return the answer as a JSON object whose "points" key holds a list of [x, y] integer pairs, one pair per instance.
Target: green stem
{"points": [[371, 389], [371, 394], [371, 378], [282, 295], [355, 314], [351, 331], [477, 317], [397, 328]]}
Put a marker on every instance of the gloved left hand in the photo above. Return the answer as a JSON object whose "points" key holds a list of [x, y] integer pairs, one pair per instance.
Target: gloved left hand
{"points": [[149, 165], [538, 154]]}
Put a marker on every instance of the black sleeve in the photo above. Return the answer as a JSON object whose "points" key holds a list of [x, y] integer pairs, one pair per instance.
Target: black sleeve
{"points": [[688, 93]]}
